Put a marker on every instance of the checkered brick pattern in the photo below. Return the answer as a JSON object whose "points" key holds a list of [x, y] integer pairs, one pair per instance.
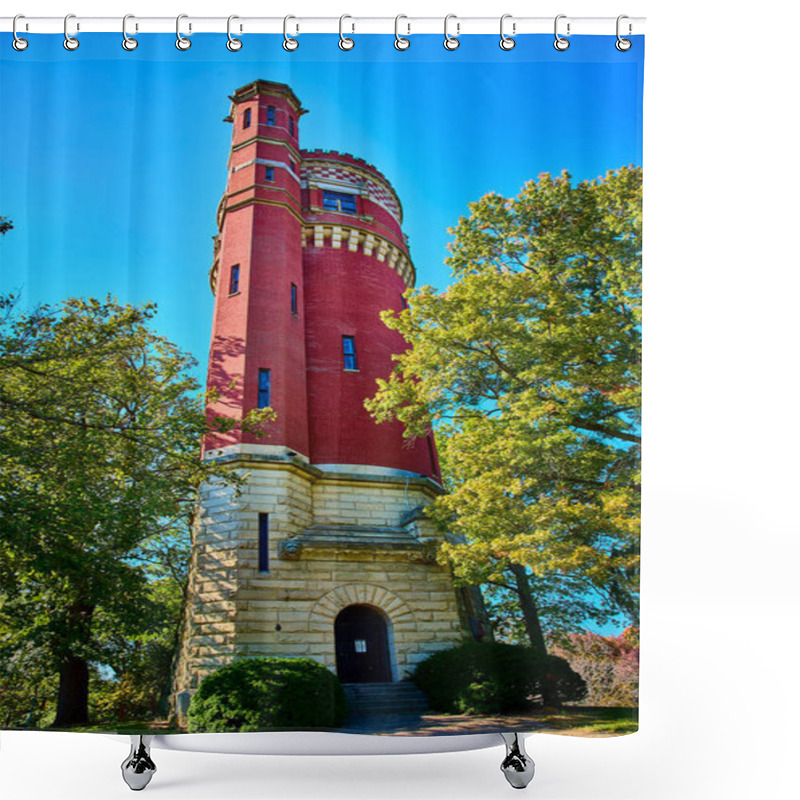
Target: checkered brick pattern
{"points": [[329, 172]]}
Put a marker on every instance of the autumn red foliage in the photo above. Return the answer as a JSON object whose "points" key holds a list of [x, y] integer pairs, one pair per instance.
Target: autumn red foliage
{"points": [[608, 664]]}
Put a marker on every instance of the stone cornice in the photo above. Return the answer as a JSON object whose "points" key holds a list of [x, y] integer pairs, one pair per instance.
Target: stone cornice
{"points": [[317, 475]]}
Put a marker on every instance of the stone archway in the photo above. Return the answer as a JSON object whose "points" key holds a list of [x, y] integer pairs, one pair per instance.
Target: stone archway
{"points": [[399, 620]]}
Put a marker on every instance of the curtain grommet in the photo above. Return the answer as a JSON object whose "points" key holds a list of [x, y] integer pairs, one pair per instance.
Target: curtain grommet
{"points": [[233, 44], [129, 43], [290, 44], [622, 44], [561, 44], [507, 42], [70, 42], [401, 42], [345, 42], [181, 42], [451, 43], [18, 43]]}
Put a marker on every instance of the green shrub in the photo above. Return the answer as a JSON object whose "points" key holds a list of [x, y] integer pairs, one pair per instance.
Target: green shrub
{"points": [[492, 678], [256, 694]]}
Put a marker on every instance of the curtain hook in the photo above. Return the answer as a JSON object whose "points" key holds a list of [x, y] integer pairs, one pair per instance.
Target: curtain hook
{"points": [[506, 42], [181, 42], [561, 43], [18, 43], [622, 44], [70, 42], [289, 43], [400, 42], [345, 42], [233, 44], [128, 42], [451, 42]]}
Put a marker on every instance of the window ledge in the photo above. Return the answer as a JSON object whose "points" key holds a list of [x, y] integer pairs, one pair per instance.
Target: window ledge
{"points": [[233, 294], [350, 370]]}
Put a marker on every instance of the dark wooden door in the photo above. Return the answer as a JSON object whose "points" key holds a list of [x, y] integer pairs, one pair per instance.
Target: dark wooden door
{"points": [[362, 646]]}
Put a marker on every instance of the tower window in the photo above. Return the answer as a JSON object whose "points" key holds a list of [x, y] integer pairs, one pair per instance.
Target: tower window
{"points": [[263, 388], [404, 301], [349, 352], [270, 115], [233, 285], [248, 114], [293, 167], [263, 542], [336, 201], [291, 126], [269, 174], [294, 299]]}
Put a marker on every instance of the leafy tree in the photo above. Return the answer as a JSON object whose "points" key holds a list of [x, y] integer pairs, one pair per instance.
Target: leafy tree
{"points": [[528, 365], [100, 431], [608, 664]]}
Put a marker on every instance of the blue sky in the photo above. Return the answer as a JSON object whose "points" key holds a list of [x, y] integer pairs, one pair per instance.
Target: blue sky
{"points": [[112, 163]]}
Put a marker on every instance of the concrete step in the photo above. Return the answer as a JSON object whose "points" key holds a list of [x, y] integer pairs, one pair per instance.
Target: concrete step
{"points": [[384, 698]]}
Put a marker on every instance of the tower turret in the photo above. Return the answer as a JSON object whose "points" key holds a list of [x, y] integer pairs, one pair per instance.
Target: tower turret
{"points": [[258, 341]]}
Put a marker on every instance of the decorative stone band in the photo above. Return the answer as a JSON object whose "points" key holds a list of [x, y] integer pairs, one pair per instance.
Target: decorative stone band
{"points": [[340, 237]]}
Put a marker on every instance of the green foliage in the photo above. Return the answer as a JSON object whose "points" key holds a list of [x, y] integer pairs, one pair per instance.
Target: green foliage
{"points": [[257, 694], [493, 678], [100, 430], [529, 367]]}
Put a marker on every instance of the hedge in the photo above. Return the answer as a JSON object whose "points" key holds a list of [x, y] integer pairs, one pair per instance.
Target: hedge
{"points": [[256, 694], [493, 678]]}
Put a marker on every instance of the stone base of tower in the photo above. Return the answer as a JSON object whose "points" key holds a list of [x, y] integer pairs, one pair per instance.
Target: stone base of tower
{"points": [[334, 542]]}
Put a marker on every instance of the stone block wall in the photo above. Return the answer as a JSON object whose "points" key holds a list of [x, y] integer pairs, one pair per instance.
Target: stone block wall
{"points": [[234, 610]]}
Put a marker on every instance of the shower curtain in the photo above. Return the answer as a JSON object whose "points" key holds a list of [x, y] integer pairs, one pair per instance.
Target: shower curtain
{"points": [[356, 446]]}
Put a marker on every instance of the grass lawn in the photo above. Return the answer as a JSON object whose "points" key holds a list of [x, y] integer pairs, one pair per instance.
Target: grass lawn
{"points": [[569, 721], [585, 721]]}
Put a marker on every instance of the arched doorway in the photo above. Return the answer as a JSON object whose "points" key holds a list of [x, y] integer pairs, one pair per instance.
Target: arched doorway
{"points": [[362, 646]]}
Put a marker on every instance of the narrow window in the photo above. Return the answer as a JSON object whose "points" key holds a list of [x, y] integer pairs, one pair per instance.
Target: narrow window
{"points": [[404, 301], [269, 174], [248, 113], [291, 126], [270, 115], [349, 351], [233, 286], [263, 542], [263, 388], [337, 201], [293, 167], [294, 299]]}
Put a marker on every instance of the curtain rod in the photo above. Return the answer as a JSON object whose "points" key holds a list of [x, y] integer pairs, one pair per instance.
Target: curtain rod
{"points": [[406, 25]]}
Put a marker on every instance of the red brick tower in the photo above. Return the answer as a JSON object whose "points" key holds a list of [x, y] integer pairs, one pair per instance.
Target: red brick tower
{"points": [[326, 552], [310, 251]]}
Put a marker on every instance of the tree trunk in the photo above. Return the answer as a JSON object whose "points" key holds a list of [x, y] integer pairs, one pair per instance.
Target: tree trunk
{"points": [[533, 627], [73, 693], [73, 685]]}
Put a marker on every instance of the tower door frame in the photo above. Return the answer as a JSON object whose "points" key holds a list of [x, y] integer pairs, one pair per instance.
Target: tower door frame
{"points": [[363, 645]]}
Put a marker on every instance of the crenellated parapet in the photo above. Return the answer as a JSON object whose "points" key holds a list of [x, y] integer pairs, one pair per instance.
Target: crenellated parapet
{"points": [[357, 240]]}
